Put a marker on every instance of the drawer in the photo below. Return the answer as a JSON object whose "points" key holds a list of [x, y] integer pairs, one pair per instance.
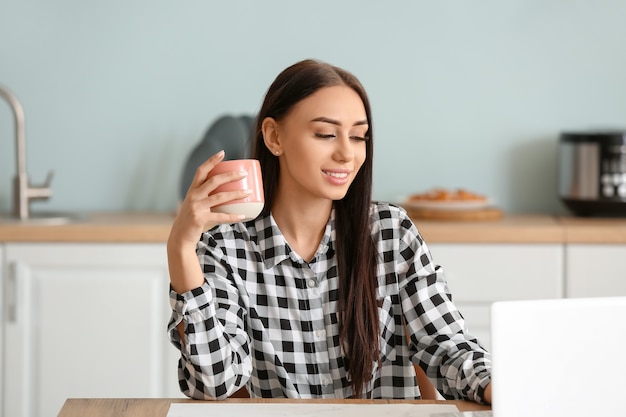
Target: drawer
{"points": [[483, 273], [595, 270]]}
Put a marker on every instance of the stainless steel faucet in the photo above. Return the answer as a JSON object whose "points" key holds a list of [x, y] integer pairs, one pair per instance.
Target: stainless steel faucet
{"points": [[23, 192]]}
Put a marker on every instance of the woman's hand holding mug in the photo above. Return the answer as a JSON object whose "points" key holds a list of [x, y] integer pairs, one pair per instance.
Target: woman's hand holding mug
{"points": [[220, 192]]}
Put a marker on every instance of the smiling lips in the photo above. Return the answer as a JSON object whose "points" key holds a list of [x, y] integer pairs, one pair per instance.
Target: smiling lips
{"points": [[337, 177]]}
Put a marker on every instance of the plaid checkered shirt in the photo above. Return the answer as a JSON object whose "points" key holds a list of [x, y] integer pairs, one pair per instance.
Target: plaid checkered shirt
{"points": [[267, 319]]}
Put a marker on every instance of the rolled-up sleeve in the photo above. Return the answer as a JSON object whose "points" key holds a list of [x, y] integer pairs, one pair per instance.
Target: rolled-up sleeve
{"points": [[441, 344], [215, 355]]}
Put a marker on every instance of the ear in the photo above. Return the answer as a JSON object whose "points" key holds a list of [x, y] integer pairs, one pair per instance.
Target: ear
{"points": [[271, 135]]}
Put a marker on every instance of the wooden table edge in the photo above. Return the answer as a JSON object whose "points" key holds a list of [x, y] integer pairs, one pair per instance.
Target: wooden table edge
{"points": [[158, 407]]}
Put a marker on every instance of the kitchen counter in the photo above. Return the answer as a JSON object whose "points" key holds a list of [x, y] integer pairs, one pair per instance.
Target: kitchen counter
{"points": [[509, 229], [527, 229], [155, 227], [600, 230], [94, 227]]}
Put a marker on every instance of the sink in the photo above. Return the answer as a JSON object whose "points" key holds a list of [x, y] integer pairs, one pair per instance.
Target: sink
{"points": [[48, 218]]}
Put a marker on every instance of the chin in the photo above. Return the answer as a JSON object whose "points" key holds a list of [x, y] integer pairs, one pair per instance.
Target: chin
{"points": [[338, 196], [335, 193]]}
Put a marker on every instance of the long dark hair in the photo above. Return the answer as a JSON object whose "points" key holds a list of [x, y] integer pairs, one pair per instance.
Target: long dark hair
{"points": [[356, 254]]}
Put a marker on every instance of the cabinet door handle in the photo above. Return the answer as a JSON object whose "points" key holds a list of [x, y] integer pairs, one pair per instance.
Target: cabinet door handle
{"points": [[12, 292]]}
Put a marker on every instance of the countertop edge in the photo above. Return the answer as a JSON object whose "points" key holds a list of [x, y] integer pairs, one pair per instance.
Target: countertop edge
{"points": [[131, 227], [139, 227], [510, 229]]}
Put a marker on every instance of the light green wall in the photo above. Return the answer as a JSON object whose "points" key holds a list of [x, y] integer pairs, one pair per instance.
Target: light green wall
{"points": [[464, 93]]}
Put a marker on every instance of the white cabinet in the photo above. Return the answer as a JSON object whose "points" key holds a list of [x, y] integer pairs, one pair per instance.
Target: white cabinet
{"points": [[84, 320], [479, 274], [595, 270], [2, 320]]}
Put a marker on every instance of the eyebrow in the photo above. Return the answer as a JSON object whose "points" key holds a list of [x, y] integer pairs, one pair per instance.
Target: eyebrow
{"points": [[336, 122]]}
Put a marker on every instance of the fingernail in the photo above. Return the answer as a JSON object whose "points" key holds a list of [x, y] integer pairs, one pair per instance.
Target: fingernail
{"points": [[248, 191], [243, 173]]}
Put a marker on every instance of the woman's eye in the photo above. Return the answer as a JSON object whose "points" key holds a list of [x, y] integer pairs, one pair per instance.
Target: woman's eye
{"points": [[324, 135], [360, 138]]}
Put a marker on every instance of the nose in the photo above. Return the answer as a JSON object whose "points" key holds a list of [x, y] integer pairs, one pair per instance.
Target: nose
{"points": [[344, 150]]}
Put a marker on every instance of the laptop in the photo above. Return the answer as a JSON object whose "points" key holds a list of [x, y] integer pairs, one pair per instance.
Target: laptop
{"points": [[558, 358]]}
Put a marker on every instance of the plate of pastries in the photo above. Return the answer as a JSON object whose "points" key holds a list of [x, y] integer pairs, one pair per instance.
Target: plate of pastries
{"points": [[447, 199]]}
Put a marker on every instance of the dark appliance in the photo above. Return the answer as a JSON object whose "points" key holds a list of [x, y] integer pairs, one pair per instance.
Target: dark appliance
{"points": [[592, 172]]}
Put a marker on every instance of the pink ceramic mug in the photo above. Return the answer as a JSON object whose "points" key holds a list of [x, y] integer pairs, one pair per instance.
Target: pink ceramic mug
{"points": [[251, 205]]}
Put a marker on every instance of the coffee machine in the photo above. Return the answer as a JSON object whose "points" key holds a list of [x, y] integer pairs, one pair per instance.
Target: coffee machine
{"points": [[592, 172]]}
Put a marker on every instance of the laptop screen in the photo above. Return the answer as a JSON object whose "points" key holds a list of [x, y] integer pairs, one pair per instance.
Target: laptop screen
{"points": [[559, 357]]}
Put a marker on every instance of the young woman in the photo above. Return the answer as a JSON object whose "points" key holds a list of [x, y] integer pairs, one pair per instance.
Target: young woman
{"points": [[316, 297]]}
